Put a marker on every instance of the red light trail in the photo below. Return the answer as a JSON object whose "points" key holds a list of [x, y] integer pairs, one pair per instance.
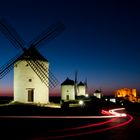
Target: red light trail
{"points": [[107, 114], [86, 126], [130, 118], [113, 115], [115, 120]]}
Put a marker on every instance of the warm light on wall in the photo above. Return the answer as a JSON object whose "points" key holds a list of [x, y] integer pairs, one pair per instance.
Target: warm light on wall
{"points": [[129, 94]]}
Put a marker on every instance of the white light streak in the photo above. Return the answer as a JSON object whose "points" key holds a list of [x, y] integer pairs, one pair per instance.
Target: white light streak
{"points": [[111, 111]]}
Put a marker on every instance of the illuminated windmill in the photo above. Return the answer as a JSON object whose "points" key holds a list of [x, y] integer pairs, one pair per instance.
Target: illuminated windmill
{"points": [[32, 78]]}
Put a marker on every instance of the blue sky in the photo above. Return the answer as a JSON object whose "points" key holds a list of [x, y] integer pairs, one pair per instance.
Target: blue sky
{"points": [[100, 40]]}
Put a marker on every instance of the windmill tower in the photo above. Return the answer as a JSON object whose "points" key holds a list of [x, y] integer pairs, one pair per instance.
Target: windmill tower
{"points": [[32, 78], [68, 90], [28, 83], [81, 89]]}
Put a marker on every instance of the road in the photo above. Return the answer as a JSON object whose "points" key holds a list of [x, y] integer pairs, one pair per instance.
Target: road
{"points": [[67, 127]]}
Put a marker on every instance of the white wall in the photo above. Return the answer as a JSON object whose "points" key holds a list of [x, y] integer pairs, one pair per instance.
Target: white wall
{"points": [[22, 74], [98, 95], [81, 90], [67, 90]]}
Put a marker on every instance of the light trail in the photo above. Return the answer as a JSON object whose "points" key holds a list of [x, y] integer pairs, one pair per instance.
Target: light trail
{"points": [[114, 117], [85, 126], [59, 117], [112, 113], [130, 118]]}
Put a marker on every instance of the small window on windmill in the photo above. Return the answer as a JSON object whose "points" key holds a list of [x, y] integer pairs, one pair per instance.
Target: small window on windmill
{"points": [[15, 65], [27, 65], [30, 80]]}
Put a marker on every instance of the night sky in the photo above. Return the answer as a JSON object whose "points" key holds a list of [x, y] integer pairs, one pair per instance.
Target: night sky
{"points": [[101, 40]]}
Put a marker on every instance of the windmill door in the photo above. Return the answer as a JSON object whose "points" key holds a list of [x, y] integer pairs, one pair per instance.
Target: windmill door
{"points": [[30, 95], [67, 97]]}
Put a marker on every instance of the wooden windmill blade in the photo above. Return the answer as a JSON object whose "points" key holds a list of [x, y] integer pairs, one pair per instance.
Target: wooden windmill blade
{"points": [[11, 34], [15, 39], [52, 79], [39, 73], [8, 66], [47, 35], [42, 71], [17, 42]]}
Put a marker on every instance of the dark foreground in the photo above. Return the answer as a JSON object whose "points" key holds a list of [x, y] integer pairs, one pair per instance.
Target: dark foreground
{"points": [[41, 129], [47, 128]]}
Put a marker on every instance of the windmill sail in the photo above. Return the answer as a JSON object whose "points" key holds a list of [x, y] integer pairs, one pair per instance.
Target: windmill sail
{"points": [[11, 34], [47, 35], [28, 53], [41, 75], [8, 66], [52, 79], [35, 61]]}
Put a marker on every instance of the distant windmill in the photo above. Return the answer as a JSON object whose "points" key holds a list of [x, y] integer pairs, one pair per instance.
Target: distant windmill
{"points": [[32, 77]]}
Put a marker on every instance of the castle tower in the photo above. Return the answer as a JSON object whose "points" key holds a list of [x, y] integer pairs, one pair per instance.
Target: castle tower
{"points": [[134, 92]]}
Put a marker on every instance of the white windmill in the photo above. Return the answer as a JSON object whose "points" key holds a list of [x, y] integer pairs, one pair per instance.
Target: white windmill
{"points": [[68, 90], [32, 77], [81, 89]]}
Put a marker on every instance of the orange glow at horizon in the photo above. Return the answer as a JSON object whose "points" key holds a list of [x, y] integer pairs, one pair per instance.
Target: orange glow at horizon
{"points": [[6, 91], [9, 92]]}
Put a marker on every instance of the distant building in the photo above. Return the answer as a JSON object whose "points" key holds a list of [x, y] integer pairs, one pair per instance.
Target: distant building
{"points": [[97, 94], [110, 98], [138, 99], [126, 93], [68, 90], [81, 89]]}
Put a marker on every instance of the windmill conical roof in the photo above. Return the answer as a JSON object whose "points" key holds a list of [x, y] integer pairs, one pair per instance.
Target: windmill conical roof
{"points": [[68, 82], [81, 84], [32, 54], [97, 91]]}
